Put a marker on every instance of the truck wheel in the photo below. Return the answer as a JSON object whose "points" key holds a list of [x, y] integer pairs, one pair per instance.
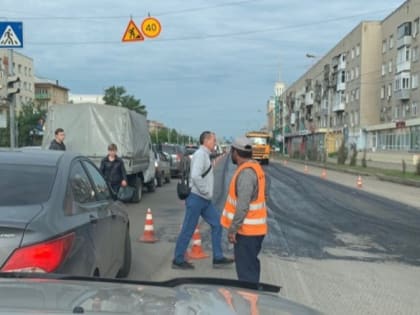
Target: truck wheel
{"points": [[159, 180], [138, 186], [151, 187]]}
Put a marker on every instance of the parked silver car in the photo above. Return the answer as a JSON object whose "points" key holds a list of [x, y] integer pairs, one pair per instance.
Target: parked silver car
{"points": [[56, 215], [163, 167]]}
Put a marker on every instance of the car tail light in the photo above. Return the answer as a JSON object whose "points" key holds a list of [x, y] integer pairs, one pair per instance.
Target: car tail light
{"points": [[41, 257]]}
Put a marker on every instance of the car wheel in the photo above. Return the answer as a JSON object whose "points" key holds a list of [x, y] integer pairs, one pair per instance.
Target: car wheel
{"points": [[138, 192], [126, 266]]}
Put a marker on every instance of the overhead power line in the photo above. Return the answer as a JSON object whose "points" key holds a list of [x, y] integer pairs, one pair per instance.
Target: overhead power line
{"points": [[223, 35]]}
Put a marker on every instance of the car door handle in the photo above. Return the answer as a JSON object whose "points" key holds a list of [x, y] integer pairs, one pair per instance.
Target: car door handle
{"points": [[93, 219]]}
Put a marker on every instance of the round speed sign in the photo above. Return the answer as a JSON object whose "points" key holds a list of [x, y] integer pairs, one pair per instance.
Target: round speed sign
{"points": [[151, 27]]}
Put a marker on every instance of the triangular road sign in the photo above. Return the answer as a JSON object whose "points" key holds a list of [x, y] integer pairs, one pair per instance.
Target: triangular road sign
{"points": [[9, 38], [132, 33]]}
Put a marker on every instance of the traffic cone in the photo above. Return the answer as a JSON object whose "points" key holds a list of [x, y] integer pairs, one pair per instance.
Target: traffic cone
{"points": [[359, 182], [149, 232], [306, 169], [324, 174], [196, 251]]}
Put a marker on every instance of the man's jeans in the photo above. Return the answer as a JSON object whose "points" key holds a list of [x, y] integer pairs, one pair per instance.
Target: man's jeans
{"points": [[247, 263], [196, 206]]}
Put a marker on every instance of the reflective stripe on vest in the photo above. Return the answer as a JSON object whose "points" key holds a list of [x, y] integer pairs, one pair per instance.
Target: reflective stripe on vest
{"points": [[255, 222]]}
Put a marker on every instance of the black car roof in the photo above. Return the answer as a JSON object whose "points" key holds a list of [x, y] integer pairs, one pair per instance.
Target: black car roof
{"points": [[34, 157]]}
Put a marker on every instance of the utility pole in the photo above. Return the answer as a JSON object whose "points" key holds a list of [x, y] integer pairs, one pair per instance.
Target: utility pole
{"points": [[11, 96]]}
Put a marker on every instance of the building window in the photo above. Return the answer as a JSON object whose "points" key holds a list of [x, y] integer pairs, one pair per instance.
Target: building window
{"points": [[382, 92], [358, 50], [415, 53], [406, 83], [383, 69], [404, 30], [347, 76], [396, 111], [390, 66], [343, 76], [357, 94], [391, 41], [356, 118], [357, 72], [416, 27], [352, 74], [352, 53], [19, 69], [389, 90], [414, 109], [383, 46], [414, 81]]}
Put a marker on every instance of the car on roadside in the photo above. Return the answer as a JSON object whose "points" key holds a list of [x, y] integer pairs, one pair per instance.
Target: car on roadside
{"points": [[162, 167], [177, 154], [56, 215]]}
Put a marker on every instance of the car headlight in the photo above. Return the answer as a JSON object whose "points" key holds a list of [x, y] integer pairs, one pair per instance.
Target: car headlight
{"points": [[156, 164]]}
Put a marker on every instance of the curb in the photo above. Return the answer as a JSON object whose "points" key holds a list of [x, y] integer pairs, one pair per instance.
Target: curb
{"points": [[386, 178]]}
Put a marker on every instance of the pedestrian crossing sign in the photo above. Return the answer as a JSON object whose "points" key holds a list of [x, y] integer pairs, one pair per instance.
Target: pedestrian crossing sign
{"points": [[11, 34], [132, 33]]}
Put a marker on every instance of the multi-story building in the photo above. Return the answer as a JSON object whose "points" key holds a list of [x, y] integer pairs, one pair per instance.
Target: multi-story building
{"points": [[279, 89], [398, 91], [363, 91], [23, 67], [48, 92], [271, 114], [337, 95]]}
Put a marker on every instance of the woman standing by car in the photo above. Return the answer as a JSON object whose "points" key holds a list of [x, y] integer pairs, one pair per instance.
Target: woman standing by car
{"points": [[113, 170]]}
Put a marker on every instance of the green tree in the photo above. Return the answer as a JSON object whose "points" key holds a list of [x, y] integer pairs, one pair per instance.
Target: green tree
{"points": [[27, 121], [116, 95]]}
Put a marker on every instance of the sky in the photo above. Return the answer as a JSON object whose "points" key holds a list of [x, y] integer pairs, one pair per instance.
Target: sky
{"points": [[214, 65]]}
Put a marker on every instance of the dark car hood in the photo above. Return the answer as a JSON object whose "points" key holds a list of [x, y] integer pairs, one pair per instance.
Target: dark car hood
{"points": [[13, 222], [55, 295]]}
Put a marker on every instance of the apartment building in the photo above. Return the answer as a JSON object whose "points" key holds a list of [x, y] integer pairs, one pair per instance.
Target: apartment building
{"points": [[23, 67], [336, 96], [49, 92], [364, 90], [398, 90]]}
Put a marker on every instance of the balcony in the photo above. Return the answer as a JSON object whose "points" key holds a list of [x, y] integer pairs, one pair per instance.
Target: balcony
{"points": [[309, 99], [404, 41], [42, 96], [403, 66], [341, 86], [403, 94], [339, 107], [293, 119]]}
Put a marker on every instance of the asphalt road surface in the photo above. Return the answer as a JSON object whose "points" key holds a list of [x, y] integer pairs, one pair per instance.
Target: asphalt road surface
{"points": [[336, 248]]}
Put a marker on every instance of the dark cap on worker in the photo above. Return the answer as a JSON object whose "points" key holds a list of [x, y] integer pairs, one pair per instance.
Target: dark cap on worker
{"points": [[243, 144]]}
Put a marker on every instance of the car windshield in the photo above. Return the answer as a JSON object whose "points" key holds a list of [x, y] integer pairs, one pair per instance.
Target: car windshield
{"points": [[25, 184], [259, 140], [169, 149]]}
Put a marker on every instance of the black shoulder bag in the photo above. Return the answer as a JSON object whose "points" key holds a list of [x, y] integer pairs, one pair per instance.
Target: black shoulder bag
{"points": [[183, 187]]}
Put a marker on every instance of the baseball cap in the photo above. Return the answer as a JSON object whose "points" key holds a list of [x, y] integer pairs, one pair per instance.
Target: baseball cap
{"points": [[243, 144]]}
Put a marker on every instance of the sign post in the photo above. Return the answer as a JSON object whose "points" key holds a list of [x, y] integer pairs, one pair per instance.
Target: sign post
{"points": [[11, 36]]}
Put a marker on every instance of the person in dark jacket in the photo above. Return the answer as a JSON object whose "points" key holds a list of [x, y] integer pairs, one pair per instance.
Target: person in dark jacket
{"points": [[58, 142], [113, 170]]}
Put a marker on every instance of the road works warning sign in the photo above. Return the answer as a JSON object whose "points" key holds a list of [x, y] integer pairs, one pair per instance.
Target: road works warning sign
{"points": [[132, 33]]}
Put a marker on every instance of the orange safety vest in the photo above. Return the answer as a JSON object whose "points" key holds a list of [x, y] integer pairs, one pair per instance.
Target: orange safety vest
{"points": [[255, 222]]}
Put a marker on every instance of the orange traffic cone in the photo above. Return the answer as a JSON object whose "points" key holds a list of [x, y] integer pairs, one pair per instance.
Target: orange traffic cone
{"points": [[359, 182], [306, 169], [324, 173], [196, 251], [149, 232]]}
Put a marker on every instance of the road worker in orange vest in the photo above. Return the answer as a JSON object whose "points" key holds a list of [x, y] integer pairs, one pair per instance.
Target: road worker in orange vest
{"points": [[245, 211]]}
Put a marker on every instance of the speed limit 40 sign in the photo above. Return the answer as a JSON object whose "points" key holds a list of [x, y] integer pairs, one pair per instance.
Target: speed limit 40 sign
{"points": [[151, 27]]}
